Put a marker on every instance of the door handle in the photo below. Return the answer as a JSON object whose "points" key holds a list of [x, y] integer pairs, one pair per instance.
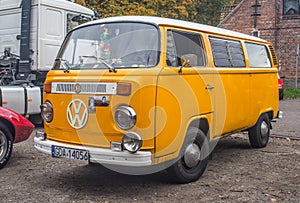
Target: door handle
{"points": [[210, 87]]}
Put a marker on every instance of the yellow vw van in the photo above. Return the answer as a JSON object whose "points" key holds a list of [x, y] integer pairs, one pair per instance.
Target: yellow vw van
{"points": [[143, 94]]}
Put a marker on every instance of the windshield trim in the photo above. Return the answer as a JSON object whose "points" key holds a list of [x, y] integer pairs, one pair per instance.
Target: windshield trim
{"points": [[66, 39]]}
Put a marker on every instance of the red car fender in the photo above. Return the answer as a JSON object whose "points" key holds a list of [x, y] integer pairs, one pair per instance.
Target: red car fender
{"points": [[22, 127]]}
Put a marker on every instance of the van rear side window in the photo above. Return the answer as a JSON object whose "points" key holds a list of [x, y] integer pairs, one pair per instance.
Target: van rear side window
{"points": [[258, 55], [227, 53]]}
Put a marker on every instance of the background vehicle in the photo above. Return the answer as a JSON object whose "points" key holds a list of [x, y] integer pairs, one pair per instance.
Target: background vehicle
{"points": [[280, 86], [14, 128], [31, 32]]}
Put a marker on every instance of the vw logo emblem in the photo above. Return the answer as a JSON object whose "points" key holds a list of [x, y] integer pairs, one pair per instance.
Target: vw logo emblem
{"points": [[77, 88], [77, 114]]}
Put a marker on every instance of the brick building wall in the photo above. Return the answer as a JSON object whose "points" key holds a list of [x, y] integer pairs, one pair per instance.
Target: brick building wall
{"points": [[282, 31]]}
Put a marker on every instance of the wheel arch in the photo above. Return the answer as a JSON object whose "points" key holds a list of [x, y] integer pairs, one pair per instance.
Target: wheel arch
{"points": [[200, 123], [9, 126], [270, 114]]}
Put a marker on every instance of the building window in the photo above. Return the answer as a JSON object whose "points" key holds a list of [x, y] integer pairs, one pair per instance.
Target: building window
{"points": [[291, 7]]}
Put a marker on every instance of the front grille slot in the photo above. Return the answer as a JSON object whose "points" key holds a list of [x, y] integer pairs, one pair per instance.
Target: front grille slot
{"points": [[83, 88]]}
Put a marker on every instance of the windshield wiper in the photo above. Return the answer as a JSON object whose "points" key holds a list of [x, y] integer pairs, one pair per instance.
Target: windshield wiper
{"points": [[102, 60], [64, 63], [111, 68]]}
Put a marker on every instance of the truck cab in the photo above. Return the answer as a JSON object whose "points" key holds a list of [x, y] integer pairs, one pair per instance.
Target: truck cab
{"points": [[31, 33]]}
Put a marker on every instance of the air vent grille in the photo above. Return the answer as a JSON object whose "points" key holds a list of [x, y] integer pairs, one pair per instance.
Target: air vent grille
{"points": [[274, 57]]}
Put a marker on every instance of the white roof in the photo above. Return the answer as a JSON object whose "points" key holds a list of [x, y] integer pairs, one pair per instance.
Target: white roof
{"points": [[67, 5], [61, 4], [172, 22]]}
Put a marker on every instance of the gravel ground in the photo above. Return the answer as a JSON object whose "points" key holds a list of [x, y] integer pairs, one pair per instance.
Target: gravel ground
{"points": [[236, 173]]}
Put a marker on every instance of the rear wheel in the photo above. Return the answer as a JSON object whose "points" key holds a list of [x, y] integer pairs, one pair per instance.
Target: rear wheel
{"points": [[193, 158], [259, 134], [6, 145]]}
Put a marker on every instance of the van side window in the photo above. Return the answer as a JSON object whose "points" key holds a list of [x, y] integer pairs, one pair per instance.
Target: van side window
{"points": [[184, 46], [258, 55], [227, 53]]}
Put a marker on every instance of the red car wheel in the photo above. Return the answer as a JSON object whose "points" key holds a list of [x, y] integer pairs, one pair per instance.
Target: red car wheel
{"points": [[6, 145]]}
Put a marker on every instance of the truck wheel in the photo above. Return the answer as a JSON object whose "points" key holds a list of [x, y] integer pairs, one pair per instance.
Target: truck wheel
{"points": [[36, 119], [193, 158], [6, 145], [259, 134]]}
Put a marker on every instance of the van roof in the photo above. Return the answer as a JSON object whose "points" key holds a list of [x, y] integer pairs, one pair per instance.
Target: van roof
{"points": [[62, 4], [177, 23]]}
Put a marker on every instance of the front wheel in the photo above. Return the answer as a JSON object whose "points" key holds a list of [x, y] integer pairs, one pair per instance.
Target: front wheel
{"points": [[193, 158], [6, 145], [259, 134]]}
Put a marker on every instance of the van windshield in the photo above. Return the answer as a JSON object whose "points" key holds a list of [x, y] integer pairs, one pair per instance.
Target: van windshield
{"points": [[111, 45]]}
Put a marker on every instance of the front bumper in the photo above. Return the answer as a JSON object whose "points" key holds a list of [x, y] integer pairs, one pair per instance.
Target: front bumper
{"points": [[100, 155], [279, 114]]}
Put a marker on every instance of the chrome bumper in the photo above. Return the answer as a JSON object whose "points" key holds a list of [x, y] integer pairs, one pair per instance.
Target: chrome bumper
{"points": [[279, 114], [100, 155]]}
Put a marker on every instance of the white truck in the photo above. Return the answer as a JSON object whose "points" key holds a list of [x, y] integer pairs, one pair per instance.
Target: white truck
{"points": [[31, 32]]}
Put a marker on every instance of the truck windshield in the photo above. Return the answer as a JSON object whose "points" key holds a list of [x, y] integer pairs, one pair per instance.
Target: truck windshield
{"points": [[111, 45]]}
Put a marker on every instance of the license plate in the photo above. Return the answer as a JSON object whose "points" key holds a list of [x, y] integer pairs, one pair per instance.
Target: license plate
{"points": [[69, 153]]}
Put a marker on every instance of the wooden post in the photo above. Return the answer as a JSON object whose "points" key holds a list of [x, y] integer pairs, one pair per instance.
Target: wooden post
{"points": [[297, 66]]}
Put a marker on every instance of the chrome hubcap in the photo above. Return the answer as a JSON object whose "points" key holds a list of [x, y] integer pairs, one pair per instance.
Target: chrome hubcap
{"points": [[264, 130], [3, 145], [192, 155]]}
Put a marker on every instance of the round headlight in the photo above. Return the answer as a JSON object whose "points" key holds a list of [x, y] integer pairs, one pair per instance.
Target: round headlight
{"points": [[132, 142], [125, 117], [47, 111]]}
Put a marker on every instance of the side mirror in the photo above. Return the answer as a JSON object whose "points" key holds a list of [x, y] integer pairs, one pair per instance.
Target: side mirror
{"points": [[189, 60], [184, 62]]}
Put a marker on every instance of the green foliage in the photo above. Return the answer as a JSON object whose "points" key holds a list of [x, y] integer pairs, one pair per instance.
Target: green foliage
{"points": [[291, 93], [201, 11]]}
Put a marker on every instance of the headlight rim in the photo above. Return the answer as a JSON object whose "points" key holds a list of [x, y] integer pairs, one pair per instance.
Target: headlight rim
{"points": [[130, 112], [49, 106]]}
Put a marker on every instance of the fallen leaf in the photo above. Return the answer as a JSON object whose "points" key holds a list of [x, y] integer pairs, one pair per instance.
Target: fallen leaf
{"points": [[273, 200]]}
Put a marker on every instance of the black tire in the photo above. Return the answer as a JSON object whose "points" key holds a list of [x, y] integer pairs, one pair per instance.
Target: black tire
{"points": [[183, 172], [6, 145], [260, 132], [281, 94], [36, 119]]}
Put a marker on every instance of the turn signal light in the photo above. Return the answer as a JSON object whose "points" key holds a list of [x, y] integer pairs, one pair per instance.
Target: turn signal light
{"points": [[124, 89], [47, 87]]}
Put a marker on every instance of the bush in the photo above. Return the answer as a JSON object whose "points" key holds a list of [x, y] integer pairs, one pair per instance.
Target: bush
{"points": [[291, 93]]}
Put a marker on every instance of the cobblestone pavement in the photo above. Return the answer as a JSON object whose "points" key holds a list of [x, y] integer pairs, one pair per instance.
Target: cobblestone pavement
{"points": [[236, 173]]}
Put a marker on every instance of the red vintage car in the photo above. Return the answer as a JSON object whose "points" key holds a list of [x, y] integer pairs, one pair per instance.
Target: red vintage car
{"points": [[280, 86], [13, 128]]}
